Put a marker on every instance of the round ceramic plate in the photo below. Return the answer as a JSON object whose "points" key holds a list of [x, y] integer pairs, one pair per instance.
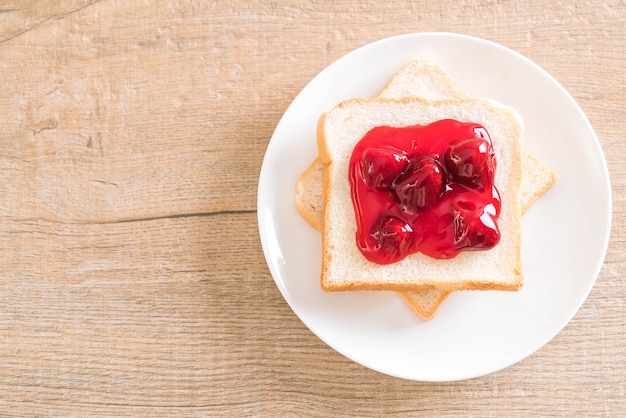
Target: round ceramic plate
{"points": [[474, 333]]}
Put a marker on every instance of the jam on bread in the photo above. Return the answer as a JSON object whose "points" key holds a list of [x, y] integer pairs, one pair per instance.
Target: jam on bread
{"points": [[427, 189]]}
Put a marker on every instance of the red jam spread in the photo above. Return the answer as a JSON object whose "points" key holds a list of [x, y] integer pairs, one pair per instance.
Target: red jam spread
{"points": [[427, 189]]}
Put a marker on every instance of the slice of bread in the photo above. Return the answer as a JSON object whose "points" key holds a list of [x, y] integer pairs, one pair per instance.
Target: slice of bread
{"points": [[345, 268]]}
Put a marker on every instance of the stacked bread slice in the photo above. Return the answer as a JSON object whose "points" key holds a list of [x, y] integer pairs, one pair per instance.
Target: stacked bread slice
{"points": [[419, 93]]}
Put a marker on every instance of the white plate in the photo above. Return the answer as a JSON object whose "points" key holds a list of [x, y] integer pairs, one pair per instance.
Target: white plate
{"points": [[474, 333]]}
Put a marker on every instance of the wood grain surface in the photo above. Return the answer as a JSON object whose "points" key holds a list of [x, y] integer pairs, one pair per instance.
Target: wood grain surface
{"points": [[132, 280]]}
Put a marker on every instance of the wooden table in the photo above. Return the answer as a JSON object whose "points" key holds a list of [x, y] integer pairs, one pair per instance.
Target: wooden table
{"points": [[132, 280]]}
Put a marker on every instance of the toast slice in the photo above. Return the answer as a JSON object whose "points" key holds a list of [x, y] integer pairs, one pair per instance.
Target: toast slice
{"points": [[345, 268]]}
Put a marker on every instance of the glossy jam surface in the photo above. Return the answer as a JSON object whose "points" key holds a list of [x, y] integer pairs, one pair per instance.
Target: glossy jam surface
{"points": [[426, 189]]}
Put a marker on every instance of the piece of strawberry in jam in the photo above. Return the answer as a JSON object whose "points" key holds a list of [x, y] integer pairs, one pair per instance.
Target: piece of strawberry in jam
{"points": [[471, 162], [381, 165], [475, 227], [392, 237], [421, 185]]}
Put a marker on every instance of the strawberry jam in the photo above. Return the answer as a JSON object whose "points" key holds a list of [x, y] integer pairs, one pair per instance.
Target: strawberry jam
{"points": [[427, 189]]}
